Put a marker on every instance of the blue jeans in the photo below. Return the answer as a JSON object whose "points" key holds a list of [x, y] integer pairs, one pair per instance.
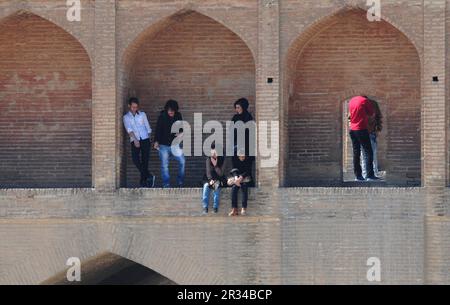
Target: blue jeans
{"points": [[374, 143], [165, 154], [206, 191]]}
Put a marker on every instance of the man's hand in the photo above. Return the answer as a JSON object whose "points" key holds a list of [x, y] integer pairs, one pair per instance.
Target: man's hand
{"points": [[212, 182], [156, 145], [137, 144]]}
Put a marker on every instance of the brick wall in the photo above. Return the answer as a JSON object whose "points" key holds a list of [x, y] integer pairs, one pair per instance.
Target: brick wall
{"points": [[201, 64], [316, 236], [330, 233], [447, 75], [352, 57], [45, 109], [293, 235]]}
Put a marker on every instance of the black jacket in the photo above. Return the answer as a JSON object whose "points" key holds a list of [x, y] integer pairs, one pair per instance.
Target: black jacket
{"points": [[216, 173], [244, 167], [245, 117], [164, 136]]}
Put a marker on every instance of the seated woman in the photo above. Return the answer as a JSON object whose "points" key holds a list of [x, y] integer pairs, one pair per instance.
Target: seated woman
{"points": [[214, 179], [241, 180]]}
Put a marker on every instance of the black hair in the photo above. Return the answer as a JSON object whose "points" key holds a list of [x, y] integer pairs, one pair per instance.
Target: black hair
{"points": [[172, 105], [378, 116], [243, 102], [378, 123], [133, 100]]}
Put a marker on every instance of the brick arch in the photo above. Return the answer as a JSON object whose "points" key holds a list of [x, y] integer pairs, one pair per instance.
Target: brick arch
{"points": [[303, 92], [47, 264], [323, 22], [298, 43], [170, 265], [169, 262], [4, 15], [105, 268], [217, 63], [46, 81], [156, 25]]}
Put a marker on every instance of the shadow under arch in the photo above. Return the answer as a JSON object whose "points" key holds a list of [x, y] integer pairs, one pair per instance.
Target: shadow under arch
{"points": [[45, 69], [153, 261], [296, 88], [234, 51], [111, 269]]}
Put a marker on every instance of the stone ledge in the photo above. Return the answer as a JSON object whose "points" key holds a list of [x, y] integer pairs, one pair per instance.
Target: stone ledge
{"points": [[46, 192], [353, 190], [196, 191], [142, 220]]}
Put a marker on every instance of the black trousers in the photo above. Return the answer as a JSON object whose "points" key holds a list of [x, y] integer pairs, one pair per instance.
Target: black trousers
{"points": [[141, 157], [234, 196], [361, 140]]}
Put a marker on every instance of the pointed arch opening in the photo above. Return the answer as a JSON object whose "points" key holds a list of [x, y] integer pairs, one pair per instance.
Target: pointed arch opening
{"points": [[343, 56], [195, 60], [110, 269], [45, 105]]}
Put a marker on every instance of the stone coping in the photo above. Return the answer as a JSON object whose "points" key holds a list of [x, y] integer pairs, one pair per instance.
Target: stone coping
{"points": [[180, 191]]}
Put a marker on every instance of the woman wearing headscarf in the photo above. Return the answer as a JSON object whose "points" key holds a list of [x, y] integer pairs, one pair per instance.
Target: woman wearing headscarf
{"points": [[243, 157], [243, 115]]}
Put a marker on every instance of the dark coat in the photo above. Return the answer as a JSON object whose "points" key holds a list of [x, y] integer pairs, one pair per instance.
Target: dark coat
{"points": [[212, 172], [163, 135], [244, 167], [245, 117]]}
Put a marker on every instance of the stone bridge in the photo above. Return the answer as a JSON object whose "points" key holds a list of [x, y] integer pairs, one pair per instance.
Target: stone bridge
{"points": [[68, 187]]}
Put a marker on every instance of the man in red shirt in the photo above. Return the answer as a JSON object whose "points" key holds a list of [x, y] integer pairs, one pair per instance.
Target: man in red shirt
{"points": [[361, 110]]}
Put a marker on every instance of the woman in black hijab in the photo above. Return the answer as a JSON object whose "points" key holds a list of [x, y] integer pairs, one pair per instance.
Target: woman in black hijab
{"points": [[243, 115]]}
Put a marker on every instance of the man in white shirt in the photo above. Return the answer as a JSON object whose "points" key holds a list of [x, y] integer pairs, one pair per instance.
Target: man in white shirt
{"points": [[138, 128]]}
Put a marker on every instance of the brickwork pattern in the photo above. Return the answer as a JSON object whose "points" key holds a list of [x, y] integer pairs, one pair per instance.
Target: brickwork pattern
{"points": [[46, 113], [316, 235], [202, 65], [342, 61]]}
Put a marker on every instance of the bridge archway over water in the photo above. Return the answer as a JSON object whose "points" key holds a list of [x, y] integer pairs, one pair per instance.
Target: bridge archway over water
{"points": [[150, 244], [111, 269]]}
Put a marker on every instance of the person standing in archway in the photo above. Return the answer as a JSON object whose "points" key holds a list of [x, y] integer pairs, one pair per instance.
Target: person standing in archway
{"points": [[164, 143], [243, 115], [375, 127], [361, 110], [138, 128]]}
